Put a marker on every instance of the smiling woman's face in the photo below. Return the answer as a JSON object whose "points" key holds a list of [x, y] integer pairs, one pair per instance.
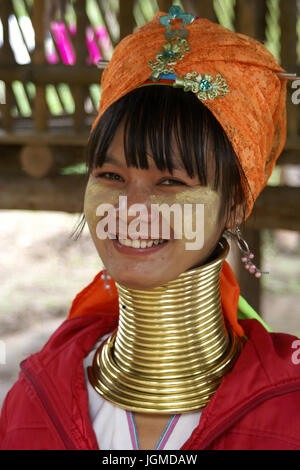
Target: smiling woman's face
{"points": [[150, 266]]}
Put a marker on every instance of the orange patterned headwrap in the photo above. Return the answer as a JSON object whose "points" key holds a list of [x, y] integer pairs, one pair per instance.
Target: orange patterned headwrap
{"points": [[252, 112]]}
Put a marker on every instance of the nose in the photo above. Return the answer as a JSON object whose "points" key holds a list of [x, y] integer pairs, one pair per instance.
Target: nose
{"points": [[137, 194]]}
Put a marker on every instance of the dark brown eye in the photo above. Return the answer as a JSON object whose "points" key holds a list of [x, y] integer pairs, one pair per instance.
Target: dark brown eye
{"points": [[173, 182], [109, 175]]}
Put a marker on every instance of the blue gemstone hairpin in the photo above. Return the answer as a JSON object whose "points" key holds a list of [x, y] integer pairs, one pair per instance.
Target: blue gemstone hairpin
{"points": [[205, 87]]}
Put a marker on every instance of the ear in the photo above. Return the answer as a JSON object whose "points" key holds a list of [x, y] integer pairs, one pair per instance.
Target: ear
{"points": [[236, 216]]}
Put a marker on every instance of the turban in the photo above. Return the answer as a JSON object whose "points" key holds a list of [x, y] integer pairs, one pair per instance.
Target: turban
{"points": [[253, 110]]}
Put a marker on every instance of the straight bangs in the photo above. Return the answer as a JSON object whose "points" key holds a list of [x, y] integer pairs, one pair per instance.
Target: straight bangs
{"points": [[179, 132]]}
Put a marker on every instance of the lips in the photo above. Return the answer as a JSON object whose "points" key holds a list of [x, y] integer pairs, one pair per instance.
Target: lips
{"points": [[128, 249]]}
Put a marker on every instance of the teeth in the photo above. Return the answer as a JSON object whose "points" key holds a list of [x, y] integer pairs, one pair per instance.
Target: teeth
{"points": [[136, 244], [139, 243]]}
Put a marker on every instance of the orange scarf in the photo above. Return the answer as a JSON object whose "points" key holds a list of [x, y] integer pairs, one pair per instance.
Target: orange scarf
{"points": [[253, 113], [95, 299]]}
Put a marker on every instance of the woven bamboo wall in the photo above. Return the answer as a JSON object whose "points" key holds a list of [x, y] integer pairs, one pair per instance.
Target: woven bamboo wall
{"points": [[49, 50]]}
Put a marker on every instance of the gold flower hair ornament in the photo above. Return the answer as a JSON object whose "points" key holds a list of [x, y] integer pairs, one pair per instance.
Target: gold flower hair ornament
{"points": [[176, 47], [205, 87], [171, 53]]}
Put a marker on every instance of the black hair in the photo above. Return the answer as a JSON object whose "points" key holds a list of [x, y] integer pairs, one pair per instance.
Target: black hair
{"points": [[156, 115]]}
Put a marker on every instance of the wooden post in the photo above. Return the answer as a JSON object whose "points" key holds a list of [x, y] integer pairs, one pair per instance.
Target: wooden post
{"points": [[79, 91], [164, 5], [277, 207], [40, 110], [203, 9], [250, 18], [126, 18], [288, 55], [6, 58]]}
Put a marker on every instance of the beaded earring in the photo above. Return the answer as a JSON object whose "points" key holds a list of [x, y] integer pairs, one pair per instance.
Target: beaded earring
{"points": [[247, 255]]}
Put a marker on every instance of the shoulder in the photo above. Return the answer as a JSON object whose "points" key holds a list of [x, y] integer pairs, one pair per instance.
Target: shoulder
{"points": [[278, 352]]}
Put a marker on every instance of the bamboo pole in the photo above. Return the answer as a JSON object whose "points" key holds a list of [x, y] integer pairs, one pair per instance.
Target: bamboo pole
{"points": [[103, 7]]}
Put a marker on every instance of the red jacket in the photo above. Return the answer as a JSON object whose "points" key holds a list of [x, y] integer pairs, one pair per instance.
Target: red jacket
{"points": [[255, 407]]}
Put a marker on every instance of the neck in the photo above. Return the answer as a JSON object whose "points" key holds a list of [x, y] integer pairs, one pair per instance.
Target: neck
{"points": [[172, 346]]}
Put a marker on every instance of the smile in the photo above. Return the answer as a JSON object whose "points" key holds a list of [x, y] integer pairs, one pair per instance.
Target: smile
{"points": [[129, 246], [139, 243]]}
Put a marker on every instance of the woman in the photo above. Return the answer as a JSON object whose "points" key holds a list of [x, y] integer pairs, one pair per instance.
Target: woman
{"points": [[152, 355]]}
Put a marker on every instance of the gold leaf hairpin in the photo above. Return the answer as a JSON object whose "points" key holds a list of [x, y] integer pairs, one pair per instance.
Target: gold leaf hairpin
{"points": [[203, 86]]}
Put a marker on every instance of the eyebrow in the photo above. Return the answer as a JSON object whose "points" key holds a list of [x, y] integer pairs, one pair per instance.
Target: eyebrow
{"points": [[177, 165]]}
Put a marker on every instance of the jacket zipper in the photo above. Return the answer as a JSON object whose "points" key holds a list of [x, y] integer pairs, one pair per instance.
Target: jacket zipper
{"points": [[227, 423], [68, 443]]}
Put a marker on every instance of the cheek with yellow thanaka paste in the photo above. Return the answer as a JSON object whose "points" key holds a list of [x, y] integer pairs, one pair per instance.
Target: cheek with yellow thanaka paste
{"points": [[96, 194], [199, 208]]}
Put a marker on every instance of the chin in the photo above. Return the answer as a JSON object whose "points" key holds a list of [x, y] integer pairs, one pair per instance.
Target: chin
{"points": [[138, 282]]}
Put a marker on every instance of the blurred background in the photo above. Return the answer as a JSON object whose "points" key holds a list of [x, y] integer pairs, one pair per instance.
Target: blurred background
{"points": [[49, 96]]}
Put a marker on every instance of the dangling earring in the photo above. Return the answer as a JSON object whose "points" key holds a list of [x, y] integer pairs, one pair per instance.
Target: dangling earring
{"points": [[247, 254], [106, 277]]}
